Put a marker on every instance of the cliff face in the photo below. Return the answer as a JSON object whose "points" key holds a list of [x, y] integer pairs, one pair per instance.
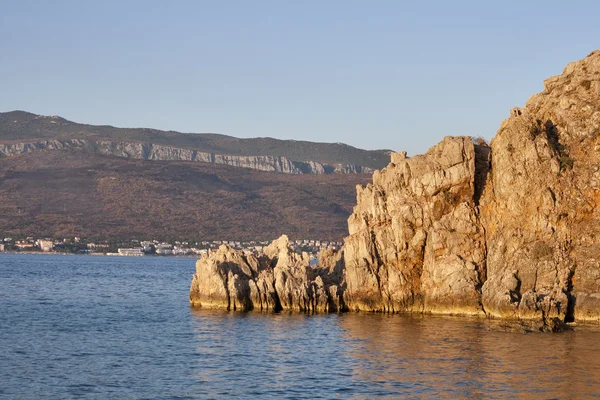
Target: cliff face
{"points": [[445, 233], [416, 242], [541, 207], [150, 151]]}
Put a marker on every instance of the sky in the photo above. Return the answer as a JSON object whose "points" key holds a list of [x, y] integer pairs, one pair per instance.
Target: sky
{"points": [[378, 74]]}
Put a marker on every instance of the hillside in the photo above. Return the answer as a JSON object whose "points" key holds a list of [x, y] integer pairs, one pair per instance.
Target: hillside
{"points": [[23, 127], [63, 194]]}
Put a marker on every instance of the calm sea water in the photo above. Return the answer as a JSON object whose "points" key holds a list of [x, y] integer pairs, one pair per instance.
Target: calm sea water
{"points": [[111, 327]]}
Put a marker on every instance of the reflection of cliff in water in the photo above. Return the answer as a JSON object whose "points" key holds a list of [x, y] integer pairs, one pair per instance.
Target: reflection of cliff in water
{"points": [[365, 355], [469, 357]]}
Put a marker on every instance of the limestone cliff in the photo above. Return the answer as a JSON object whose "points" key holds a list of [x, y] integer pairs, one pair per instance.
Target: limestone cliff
{"points": [[540, 209], [150, 151], [416, 242]]}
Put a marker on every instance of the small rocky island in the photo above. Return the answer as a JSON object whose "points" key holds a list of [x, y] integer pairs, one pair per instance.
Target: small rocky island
{"points": [[508, 231]]}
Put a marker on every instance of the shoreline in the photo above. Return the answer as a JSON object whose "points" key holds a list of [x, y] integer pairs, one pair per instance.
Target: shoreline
{"points": [[41, 253], [501, 324]]}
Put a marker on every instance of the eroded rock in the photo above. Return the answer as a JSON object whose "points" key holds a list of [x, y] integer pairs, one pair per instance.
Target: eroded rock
{"points": [[279, 279], [540, 209], [415, 241], [511, 230]]}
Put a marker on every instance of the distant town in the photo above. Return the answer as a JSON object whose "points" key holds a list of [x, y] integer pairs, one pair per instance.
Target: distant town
{"points": [[135, 247]]}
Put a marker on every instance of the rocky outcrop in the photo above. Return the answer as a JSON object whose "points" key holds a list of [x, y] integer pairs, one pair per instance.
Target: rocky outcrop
{"points": [[275, 280], [541, 209], [416, 242], [509, 231], [150, 151], [514, 238]]}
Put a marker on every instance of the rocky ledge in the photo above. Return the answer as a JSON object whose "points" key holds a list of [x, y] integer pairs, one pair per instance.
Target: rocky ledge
{"points": [[508, 231]]}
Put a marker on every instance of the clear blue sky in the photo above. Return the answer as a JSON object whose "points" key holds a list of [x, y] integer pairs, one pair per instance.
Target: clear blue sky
{"points": [[373, 74]]}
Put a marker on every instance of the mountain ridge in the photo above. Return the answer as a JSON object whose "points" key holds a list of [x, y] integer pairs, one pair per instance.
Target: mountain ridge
{"points": [[23, 127]]}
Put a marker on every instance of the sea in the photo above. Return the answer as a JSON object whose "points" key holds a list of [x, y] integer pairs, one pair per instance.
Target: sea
{"points": [[92, 327]]}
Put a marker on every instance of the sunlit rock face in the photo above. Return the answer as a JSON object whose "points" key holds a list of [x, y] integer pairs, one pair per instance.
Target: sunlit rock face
{"points": [[540, 210], [416, 242], [275, 280], [511, 230]]}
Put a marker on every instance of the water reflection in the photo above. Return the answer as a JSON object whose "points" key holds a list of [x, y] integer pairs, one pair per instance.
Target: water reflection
{"points": [[367, 356], [268, 355], [461, 357], [112, 327]]}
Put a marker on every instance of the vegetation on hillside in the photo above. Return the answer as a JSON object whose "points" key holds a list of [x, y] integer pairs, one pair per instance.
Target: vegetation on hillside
{"points": [[66, 194]]}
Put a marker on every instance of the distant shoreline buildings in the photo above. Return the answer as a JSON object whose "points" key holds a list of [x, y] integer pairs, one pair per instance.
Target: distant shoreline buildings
{"points": [[134, 247]]}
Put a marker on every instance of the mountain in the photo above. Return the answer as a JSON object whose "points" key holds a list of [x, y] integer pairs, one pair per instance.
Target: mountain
{"points": [[22, 132], [69, 193]]}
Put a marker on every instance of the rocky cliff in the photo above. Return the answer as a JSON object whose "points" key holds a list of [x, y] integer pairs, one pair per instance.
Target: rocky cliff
{"points": [[515, 237], [540, 210], [416, 242], [150, 151], [510, 230]]}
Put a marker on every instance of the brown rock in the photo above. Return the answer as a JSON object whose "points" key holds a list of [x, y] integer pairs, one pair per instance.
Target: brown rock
{"points": [[415, 240], [541, 207], [277, 280], [437, 233]]}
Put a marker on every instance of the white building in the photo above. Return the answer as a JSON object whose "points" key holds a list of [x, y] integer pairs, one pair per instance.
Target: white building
{"points": [[138, 251], [45, 245], [164, 251]]}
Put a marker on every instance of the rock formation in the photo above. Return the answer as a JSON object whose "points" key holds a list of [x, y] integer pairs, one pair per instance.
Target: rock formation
{"points": [[444, 232], [509, 231], [540, 210], [416, 242], [276, 280], [150, 151]]}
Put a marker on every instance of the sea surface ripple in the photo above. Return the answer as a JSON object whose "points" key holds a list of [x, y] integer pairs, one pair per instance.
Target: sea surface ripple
{"points": [[85, 327]]}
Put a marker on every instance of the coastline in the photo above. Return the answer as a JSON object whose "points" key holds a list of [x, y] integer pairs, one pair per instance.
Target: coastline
{"points": [[41, 253]]}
